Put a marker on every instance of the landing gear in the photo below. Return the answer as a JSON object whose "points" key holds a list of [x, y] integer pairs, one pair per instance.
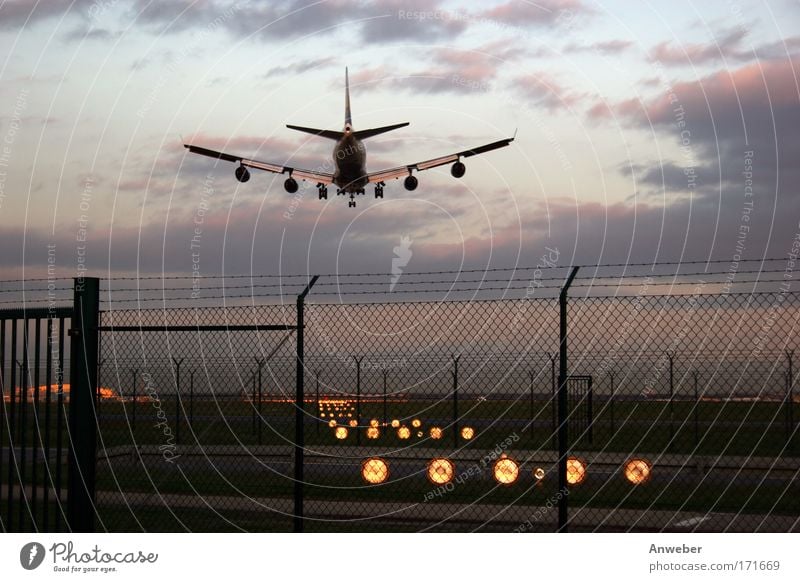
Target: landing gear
{"points": [[379, 189], [322, 191], [410, 183], [353, 194]]}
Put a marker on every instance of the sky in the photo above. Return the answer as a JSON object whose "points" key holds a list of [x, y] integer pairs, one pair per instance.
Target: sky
{"points": [[646, 131]]}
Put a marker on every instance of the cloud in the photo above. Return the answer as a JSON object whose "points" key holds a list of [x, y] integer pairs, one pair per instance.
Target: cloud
{"points": [[546, 91], [404, 20], [374, 21], [542, 12], [15, 14], [454, 71], [727, 46], [606, 47], [299, 67]]}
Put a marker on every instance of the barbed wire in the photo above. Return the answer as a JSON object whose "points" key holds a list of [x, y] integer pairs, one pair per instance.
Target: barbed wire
{"points": [[418, 273]]}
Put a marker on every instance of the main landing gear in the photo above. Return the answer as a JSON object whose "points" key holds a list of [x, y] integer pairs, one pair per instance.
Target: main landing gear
{"points": [[322, 191]]}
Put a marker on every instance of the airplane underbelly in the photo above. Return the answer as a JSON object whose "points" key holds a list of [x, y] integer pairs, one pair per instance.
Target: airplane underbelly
{"points": [[350, 157]]}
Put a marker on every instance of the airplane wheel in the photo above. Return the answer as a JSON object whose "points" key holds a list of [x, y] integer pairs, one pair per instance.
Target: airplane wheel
{"points": [[352, 204]]}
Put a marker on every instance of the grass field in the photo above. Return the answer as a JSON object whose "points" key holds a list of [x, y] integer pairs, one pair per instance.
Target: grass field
{"points": [[227, 452]]}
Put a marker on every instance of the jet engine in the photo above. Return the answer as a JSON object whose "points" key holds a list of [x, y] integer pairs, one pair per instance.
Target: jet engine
{"points": [[290, 185], [458, 170], [411, 183], [242, 174]]}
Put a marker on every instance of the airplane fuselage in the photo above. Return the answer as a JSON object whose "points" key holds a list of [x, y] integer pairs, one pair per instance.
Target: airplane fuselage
{"points": [[350, 158]]}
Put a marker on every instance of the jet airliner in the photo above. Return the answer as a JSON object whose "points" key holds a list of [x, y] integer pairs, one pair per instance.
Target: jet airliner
{"points": [[349, 157]]}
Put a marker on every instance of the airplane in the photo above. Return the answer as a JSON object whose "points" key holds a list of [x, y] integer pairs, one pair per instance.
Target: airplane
{"points": [[349, 158]]}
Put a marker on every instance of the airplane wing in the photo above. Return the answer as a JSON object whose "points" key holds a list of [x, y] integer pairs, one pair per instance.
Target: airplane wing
{"points": [[297, 173], [402, 171]]}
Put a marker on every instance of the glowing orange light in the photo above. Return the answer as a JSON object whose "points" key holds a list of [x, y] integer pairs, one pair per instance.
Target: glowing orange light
{"points": [[506, 470], [332, 423], [416, 423], [538, 473], [436, 433], [341, 432], [353, 423], [419, 434], [440, 471], [374, 470], [637, 471], [576, 471], [374, 422], [467, 433], [403, 432], [395, 423], [373, 432]]}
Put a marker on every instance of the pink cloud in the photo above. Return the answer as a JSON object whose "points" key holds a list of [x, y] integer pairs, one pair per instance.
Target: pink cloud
{"points": [[541, 12]]}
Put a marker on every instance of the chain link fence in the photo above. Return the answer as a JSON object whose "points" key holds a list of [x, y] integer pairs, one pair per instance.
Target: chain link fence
{"points": [[441, 415]]}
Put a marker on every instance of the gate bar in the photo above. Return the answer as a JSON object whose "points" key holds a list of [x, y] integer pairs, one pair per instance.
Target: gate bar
{"points": [[251, 327]]}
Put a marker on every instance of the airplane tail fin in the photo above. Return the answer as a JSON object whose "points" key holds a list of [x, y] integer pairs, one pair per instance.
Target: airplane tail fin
{"points": [[347, 118], [335, 135], [365, 133]]}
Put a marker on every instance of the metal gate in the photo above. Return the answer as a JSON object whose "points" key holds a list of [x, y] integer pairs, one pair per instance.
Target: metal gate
{"points": [[34, 435], [581, 408], [47, 425]]}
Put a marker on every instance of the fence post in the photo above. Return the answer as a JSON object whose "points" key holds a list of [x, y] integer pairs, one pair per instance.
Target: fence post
{"points": [[133, 403], [260, 362], [299, 410], [696, 412], [385, 373], [563, 435], [316, 411], [358, 398], [530, 374], [191, 400], [613, 428], [554, 399], [455, 400], [789, 398], [177, 399], [670, 404], [82, 419], [590, 410]]}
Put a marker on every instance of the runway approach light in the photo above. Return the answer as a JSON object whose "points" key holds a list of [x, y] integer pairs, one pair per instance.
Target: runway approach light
{"points": [[341, 432], [404, 432], [440, 471], [374, 470], [506, 470], [436, 433], [467, 433], [637, 471], [373, 432], [576, 471]]}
